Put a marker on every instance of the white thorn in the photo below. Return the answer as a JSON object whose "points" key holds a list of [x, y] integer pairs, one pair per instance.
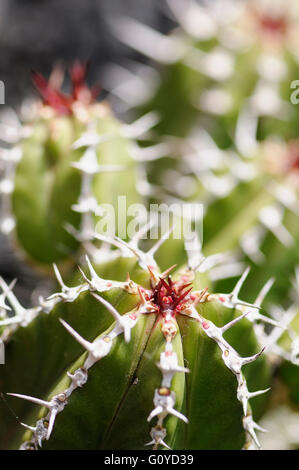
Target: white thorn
{"points": [[86, 344], [240, 283], [79, 378], [19, 310], [231, 300], [90, 139], [4, 294], [245, 134], [31, 428], [264, 291], [89, 164], [85, 277], [151, 153], [157, 245], [150, 443], [247, 304], [271, 217], [59, 278], [142, 231], [226, 271], [250, 243], [120, 320], [109, 307], [91, 269], [146, 40], [259, 428], [247, 360], [118, 242], [156, 411], [233, 322], [250, 426], [68, 294], [47, 404], [11, 321], [53, 414], [177, 414], [258, 392], [141, 126], [163, 443]]}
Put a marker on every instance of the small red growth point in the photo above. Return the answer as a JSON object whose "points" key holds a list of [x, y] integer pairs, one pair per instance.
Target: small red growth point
{"points": [[170, 296], [61, 102]]}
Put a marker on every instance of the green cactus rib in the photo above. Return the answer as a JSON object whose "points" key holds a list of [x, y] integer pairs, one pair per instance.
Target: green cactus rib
{"points": [[110, 387], [48, 193], [37, 356]]}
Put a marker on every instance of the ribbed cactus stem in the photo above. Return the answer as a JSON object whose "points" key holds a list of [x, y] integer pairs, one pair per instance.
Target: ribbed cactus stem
{"points": [[234, 362], [96, 351], [164, 398], [166, 299], [88, 165]]}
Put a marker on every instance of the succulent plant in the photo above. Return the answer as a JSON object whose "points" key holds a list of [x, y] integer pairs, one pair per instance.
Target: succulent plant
{"points": [[108, 347], [220, 58], [143, 345], [66, 157], [239, 160], [121, 345]]}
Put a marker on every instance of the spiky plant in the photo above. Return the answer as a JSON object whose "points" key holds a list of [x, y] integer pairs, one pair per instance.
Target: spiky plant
{"points": [[221, 57], [136, 346], [177, 366], [65, 148], [237, 150], [108, 348], [223, 82]]}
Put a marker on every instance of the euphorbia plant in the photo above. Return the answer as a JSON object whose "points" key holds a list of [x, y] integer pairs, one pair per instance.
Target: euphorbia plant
{"points": [[125, 354], [154, 354]]}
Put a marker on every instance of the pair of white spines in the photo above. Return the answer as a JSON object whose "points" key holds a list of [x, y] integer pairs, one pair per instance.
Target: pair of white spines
{"points": [[164, 398]]}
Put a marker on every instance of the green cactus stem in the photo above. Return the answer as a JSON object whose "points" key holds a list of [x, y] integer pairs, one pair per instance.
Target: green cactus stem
{"points": [[175, 353]]}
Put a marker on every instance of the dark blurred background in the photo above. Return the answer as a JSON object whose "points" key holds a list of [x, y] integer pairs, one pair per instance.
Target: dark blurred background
{"points": [[37, 33]]}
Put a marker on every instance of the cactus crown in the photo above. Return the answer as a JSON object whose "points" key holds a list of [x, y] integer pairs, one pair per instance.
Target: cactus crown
{"points": [[62, 103], [115, 352]]}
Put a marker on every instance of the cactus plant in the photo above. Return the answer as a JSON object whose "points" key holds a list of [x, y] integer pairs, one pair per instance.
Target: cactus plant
{"points": [[220, 58], [53, 160], [143, 345], [100, 381], [225, 95], [97, 380], [240, 161]]}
